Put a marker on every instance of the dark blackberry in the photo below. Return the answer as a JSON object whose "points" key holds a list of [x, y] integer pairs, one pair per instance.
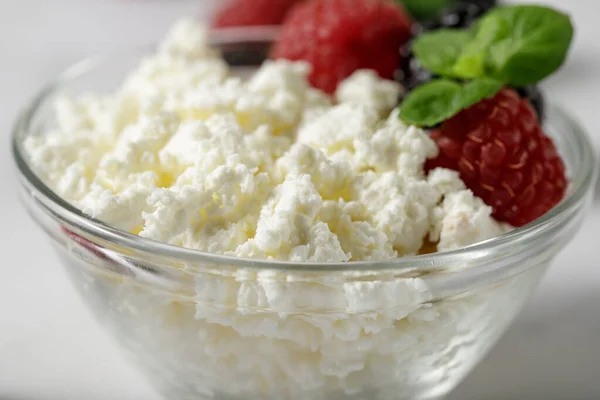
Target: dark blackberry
{"points": [[535, 97], [411, 74], [487, 4], [460, 15], [245, 54]]}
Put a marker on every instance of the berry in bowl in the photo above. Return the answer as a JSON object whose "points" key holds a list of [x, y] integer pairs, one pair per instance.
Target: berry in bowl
{"points": [[246, 235]]}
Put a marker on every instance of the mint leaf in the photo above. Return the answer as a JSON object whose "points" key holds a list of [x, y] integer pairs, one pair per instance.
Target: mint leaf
{"points": [[441, 99], [432, 103], [471, 63], [520, 45], [478, 89], [439, 50], [524, 44], [424, 9]]}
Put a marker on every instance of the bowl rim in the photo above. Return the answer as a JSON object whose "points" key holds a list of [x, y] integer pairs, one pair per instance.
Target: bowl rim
{"points": [[580, 185]]}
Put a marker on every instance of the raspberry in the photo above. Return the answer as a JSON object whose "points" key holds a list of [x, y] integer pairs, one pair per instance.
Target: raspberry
{"points": [[338, 37], [252, 12], [504, 157], [536, 99]]}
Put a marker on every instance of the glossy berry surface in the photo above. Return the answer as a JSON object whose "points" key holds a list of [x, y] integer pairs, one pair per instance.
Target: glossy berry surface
{"points": [[504, 157], [337, 37], [482, 3], [236, 13], [536, 99], [411, 73], [460, 15]]}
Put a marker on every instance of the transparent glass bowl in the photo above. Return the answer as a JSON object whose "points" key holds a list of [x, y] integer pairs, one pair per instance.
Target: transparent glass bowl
{"points": [[203, 326]]}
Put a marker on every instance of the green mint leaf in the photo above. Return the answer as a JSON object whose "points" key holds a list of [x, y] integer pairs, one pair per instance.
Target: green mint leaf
{"points": [[524, 44], [424, 9], [478, 89], [431, 103], [471, 62], [441, 99], [438, 51]]}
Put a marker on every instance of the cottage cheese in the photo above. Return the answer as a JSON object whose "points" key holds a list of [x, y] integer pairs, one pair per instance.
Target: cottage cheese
{"points": [[188, 154], [365, 87], [267, 168]]}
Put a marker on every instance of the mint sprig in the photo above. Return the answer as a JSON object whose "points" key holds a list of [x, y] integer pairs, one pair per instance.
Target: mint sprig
{"points": [[441, 99], [510, 45], [519, 45]]}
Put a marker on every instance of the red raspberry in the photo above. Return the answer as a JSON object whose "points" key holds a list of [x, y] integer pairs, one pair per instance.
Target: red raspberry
{"points": [[338, 37], [252, 12], [504, 157]]}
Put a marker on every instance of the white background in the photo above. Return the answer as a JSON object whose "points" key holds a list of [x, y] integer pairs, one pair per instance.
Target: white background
{"points": [[51, 349]]}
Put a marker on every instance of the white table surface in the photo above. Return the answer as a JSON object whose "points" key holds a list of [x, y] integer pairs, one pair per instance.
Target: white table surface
{"points": [[51, 348]]}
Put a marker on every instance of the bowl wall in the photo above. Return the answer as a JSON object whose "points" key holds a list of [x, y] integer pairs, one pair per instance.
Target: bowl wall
{"points": [[238, 334]]}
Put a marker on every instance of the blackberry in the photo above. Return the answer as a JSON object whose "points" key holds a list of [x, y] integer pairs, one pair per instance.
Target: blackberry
{"points": [[535, 97], [411, 73], [245, 54], [487, 4], [460, 15]]}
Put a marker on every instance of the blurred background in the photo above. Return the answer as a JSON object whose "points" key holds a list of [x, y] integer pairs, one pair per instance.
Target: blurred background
{"points": [[51, 349]]}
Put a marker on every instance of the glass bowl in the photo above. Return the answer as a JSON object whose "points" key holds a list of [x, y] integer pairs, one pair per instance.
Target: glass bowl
{"points": [[204, 326]]}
